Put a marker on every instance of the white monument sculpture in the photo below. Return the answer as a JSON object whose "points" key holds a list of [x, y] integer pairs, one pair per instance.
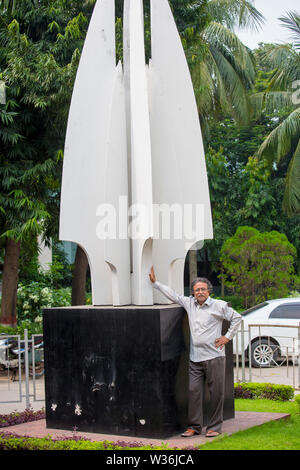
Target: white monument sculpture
{"points": [[133, 150]]}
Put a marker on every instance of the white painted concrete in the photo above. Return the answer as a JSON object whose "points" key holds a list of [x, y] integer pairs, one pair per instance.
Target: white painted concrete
{"points": [[135, 135]]}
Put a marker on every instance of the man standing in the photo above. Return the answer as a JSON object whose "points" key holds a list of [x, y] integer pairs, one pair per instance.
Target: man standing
{"points": [[207, 352]]}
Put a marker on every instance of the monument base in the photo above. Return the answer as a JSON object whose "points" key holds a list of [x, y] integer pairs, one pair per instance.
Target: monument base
{"points": [[121, 370]]}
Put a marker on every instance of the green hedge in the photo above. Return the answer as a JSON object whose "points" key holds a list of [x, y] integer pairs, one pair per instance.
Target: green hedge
{"points": [[235, 301], [12, 442], [263, 390]]}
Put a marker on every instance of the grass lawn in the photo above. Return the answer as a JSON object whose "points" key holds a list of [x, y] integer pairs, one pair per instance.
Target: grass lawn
{"points": [[277, 435]]}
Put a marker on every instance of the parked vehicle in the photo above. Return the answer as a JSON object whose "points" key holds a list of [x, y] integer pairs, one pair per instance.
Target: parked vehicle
{"points": [[12, 354], [8, 359], [269, 343]]}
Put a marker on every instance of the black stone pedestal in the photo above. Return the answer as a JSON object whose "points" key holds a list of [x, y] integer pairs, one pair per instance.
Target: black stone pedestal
{"points": [[120, 370]]}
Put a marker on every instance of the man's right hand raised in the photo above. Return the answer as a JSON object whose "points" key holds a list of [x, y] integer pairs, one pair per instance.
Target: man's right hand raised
{"points": [[152, 275]]}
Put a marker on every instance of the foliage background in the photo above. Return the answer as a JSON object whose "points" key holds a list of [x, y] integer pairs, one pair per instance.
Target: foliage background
{"points": [[242, 97]]}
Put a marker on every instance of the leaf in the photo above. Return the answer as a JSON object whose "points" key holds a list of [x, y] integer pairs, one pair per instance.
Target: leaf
{"points": [[291, 201], [280, 141], [292, 22]]}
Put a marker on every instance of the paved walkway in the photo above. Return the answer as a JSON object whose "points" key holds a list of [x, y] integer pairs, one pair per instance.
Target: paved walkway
{"points": [[243, 420], [277, 375], [10, 395]]}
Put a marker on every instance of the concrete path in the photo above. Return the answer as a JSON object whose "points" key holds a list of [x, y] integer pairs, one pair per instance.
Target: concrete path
{"points": [[284, 375]]}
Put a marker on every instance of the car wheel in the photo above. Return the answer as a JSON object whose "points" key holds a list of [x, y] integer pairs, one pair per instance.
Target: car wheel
{"points": [[264, 353]]}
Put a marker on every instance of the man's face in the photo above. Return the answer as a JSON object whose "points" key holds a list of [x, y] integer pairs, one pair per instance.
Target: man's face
{"points": [[201, 292]]}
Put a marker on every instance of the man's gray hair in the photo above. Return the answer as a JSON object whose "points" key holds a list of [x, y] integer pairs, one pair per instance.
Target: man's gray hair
{"points": [[202, 279]]}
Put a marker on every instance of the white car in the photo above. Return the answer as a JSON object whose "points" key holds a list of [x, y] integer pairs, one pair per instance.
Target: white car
{"points": [[276, 337]]}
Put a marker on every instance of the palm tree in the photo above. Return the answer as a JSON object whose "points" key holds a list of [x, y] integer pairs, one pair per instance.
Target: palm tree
{"points": [[222, 67], [283, 143]]}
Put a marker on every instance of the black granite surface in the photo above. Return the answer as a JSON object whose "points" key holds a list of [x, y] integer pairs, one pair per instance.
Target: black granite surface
{"points": [[120, 370]]}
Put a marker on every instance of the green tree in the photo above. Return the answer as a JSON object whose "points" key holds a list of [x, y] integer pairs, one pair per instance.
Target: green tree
{"points": [[39, 55], [258, 266], [282, 145], [40, 43], [246, 190], [222, 67]]}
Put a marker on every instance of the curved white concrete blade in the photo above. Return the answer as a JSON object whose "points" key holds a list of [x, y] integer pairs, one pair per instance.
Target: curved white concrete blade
{"points": [[117, 248], [141, 168], [178, 160], [83, 181]]}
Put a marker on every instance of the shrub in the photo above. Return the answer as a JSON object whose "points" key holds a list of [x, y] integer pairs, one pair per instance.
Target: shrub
{"points": [[263, 390], [34, 297], [19, 417], [10, 441], [235, 301], [297, 400], [294, 293], [258, 266]]}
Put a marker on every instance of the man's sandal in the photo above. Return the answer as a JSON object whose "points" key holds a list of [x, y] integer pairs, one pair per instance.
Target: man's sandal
{"points": [[189, 433], [212, 434]]}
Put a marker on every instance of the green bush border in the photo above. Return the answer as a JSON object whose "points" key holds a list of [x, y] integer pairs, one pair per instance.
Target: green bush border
{"points": [[297, 400], [263, 390], [14, 442]]}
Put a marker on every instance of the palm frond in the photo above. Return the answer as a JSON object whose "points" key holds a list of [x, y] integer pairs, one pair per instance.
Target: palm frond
{"points": [[270, 102], [280, 141], [203, 84], [232, 48], [291, 200], [233, 85], [292, 22], [286, 62], [250, 17], [236, 12]]}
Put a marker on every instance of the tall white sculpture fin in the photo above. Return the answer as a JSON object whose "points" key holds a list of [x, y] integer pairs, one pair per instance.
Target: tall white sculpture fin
{"points": [[141, 167], [132, 142], [83, 181], [178, 161], [117, 246]]}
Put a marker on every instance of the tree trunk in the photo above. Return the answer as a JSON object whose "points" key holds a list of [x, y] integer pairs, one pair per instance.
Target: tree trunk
{"points": [[10, 279], [193, 265], [222, 283], [79, 277]]}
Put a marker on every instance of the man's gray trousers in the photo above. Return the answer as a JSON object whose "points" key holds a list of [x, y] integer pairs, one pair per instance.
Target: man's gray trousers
{"points": [[212, 372]]}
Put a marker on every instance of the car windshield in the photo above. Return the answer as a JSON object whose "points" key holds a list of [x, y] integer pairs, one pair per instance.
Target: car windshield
{"points": [[254, 308]]}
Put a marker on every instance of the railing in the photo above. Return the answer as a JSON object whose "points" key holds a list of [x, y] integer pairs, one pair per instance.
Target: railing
{"points": [[20, 359], [244, 338]]}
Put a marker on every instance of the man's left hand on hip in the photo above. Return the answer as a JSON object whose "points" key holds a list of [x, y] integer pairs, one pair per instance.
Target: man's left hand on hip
{"points": [[220, 342]]}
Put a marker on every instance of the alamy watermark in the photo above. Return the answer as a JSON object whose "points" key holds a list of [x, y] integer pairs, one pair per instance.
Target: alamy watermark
{"points": [[2, 92], [160, 221]]}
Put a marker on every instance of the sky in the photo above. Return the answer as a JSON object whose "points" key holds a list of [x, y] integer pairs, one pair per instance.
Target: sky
{"points": [[271, 31]]}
